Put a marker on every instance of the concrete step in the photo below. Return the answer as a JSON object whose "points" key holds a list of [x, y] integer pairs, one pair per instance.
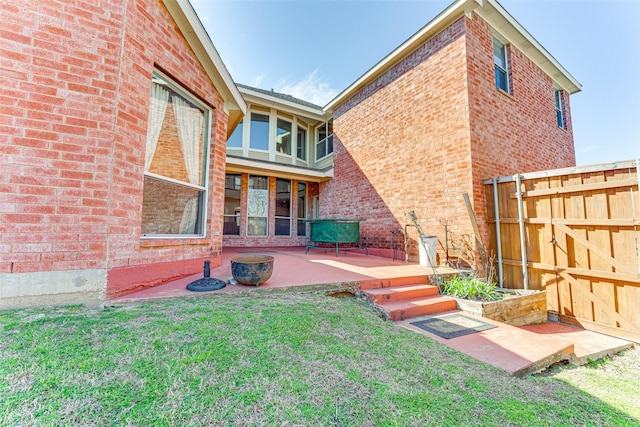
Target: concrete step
{"points": [[399, 293], [400, 310], [392, 282]]}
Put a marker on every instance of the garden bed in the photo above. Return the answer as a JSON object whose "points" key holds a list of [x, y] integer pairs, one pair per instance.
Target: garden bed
{"points": [[517, 308]]}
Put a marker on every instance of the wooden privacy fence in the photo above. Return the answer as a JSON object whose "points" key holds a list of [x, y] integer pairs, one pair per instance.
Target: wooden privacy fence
{"points": [[574, 233]]}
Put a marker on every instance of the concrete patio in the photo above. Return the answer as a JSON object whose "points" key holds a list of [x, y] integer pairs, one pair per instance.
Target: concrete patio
{"points": [[517, 350]]}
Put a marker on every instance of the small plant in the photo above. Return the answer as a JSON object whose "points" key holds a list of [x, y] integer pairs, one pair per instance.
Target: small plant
{"points": [[472, 288]]}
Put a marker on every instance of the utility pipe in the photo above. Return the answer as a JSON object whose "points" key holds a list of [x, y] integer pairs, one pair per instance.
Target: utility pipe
{"points": [[523, 244], [496, 209]]}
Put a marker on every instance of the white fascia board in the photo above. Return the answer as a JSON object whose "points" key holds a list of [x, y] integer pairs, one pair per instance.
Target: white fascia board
{"points": [[197, 37], [259, 98], [437, 24], [238, 165], [514, 33]]}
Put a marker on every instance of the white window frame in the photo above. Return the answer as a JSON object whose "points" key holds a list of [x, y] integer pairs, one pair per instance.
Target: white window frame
{"points": [[268, 116], [559, 102], [206, 147], [504, 69], [291, 143], [276, 217], [326, 139]]}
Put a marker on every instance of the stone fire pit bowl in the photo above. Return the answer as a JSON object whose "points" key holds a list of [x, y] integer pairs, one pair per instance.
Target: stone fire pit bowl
{"points": [[252, 269]]}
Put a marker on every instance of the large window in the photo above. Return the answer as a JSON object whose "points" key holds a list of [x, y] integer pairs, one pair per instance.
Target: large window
{"points": [[324, 146], [283, 137], [175, 186], [232, 187], [301, 143], [501, 67], [235, 140], [559, 109], [259, 131], [258, 206], [302, 209], [283, 207]]}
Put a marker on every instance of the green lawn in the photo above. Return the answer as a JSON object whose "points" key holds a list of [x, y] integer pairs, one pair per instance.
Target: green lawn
{"points": [[286, 359]]}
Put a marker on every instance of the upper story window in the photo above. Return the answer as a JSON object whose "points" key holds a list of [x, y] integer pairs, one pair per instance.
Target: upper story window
{"points": [[501, 65], [235, 140], [283, 137], [559, 109], [324, 144], [259, 131], [301, 143], [175, 178]]}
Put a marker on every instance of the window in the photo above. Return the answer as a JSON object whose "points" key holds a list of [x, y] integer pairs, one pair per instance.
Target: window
{"points": [[258, 206], [259, 130], [235, 140], [175, 164], [324, 146], [501, 68], [302, 209], [283, 207], [283, 137], [301, 145], [559, 109], [232, 186]]}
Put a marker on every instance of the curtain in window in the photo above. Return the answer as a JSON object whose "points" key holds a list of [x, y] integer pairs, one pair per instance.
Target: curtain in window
{"points": [[157, 110], [189, 216], [189, 120]]}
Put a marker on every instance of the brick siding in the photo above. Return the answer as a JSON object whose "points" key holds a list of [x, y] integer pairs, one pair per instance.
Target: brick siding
{"points": [[74, 97], [431, 128]]}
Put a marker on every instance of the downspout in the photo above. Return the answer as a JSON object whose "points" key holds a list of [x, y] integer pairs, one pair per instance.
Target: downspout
{"points": [[498, 237], [523, 245]]}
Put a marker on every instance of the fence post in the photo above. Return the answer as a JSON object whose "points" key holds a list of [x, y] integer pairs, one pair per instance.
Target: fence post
{"points": [[496, 209], [523, 244]]}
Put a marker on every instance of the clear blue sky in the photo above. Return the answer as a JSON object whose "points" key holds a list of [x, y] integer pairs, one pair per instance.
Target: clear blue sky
{"points": [[315, 49]]}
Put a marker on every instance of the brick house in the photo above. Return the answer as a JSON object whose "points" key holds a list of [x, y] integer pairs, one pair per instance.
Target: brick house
{"points": [[470, 96], [129, 155], [103, 109]]}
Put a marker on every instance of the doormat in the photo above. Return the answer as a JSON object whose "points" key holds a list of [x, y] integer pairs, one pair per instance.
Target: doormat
{"points": [[452, 325]]}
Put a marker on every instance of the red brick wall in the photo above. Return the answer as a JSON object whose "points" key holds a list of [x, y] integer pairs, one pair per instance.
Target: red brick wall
{"points": [[513, 133], [74, 96], [402, 144]]}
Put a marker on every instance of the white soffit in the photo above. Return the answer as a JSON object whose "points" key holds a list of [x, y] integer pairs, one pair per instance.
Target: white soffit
{"points": [[243, 164], [197, 37], [261, 99]]}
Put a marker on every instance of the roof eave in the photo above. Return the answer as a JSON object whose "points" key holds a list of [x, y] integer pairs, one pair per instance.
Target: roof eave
{"points": [[197, 37], [259, 98], [516, 34], [437, 24]]}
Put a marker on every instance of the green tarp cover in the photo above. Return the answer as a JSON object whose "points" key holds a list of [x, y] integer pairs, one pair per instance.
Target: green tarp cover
{"points": [[335, 231]]}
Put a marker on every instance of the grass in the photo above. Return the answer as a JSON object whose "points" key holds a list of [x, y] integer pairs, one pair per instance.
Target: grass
{"points": [[288, 359], [472, 288]]}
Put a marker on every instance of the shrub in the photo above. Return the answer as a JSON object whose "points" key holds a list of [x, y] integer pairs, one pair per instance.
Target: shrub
{"points": [[472, 288]]}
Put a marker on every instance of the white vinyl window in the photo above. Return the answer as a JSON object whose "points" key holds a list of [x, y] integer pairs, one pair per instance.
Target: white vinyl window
{"points": [[501, 65], [258, 206], [175, 170], [283, 207], [324, 138], [559, 109]]}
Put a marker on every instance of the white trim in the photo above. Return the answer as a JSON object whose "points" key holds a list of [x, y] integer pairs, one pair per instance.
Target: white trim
{"points": [[174, 181], [496, 16], [193, 31], [259, 98], [256, 167]]}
